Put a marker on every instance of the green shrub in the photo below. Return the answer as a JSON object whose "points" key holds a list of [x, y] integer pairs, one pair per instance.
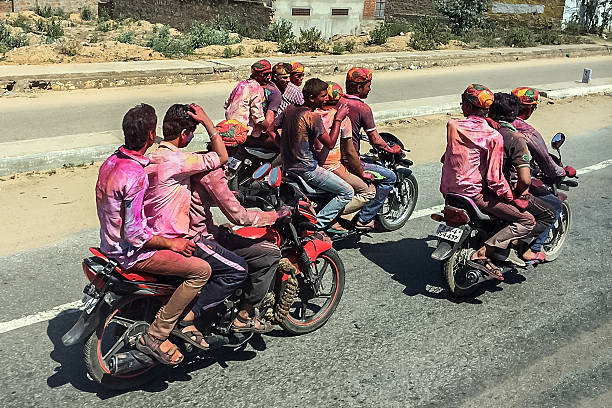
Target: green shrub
{"points": [[168, 45], [23, 22], [395, 29], [9, 41], [126, 37], [279, 31], [288, 46], [310, 40], [462, 14], [519, 37], [69, 47], [86, 13], [48, 11], [549, 37], [338, 48], [53, 29], [350, 45], [379, 35], [202, 35], [574, 28], [94, 37], [428, 34], [258, 49], [229, 52], [105, 25]]}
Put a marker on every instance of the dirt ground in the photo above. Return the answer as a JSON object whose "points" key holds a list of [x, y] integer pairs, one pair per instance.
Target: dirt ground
{"points": [[43, 207]]}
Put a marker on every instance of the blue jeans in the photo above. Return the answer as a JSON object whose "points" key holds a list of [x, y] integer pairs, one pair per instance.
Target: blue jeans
{"points": [[556, 204], [326, 180], [383, 188]]}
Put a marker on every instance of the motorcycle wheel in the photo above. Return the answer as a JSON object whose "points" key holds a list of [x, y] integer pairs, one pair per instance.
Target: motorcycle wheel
{"points": [[309, 310], [105, 340], [398, 208], [558, 234], [455, 277]]}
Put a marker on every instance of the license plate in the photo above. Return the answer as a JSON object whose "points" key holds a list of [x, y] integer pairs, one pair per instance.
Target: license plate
{"points": [[449, 233], [89, 303], [233, 163]]}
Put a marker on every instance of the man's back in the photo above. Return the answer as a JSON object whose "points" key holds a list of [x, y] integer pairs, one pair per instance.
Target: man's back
{"points": [[245, 104], [360, 115], [300, 128], [538, 149]]}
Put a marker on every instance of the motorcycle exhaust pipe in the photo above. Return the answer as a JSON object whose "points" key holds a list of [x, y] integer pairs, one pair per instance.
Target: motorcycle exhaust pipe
{"points": [[133, 360]]}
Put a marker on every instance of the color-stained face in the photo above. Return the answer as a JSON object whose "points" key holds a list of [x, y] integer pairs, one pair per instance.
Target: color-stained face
{"points": [[262, 78], [297, 78], [281, 79], [364, 90], [319, 100]]}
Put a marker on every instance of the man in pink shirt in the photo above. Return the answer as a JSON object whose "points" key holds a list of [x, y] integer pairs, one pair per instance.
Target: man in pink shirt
{"points": [[472, 167], [125, 236]]}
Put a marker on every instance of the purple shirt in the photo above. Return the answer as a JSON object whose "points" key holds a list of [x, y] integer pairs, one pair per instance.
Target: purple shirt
{"points": [[120, 191], [538, 149], [272, 97], [361, 117]]}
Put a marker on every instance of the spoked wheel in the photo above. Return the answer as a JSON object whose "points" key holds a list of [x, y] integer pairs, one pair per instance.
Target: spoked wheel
{"points": [[116, 335], [315, 304], [558, 234], [460, 280], [400, 204]]}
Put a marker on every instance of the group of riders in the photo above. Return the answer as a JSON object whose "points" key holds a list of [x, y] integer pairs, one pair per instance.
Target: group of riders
{"points": [[155, 209]]}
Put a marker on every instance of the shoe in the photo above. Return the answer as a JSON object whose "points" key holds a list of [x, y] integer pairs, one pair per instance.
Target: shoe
{"points": [[508, 255]]}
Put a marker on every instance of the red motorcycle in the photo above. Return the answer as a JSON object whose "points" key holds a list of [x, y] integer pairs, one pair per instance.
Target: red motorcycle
{"points": [[119, 305]]}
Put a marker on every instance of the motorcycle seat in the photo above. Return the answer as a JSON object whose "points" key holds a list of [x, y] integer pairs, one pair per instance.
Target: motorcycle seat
{"points": [[304, 186], [468, 204], [260, 153]]}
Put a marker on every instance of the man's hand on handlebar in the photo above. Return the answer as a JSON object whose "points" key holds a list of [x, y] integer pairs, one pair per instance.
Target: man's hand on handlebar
{"points": [[395, 149], [570, 171]]}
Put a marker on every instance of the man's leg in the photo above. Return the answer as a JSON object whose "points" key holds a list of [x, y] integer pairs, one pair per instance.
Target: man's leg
{"points": [[328, 181], [370, 210], [228, 271], [555, 203], [364, 193]]}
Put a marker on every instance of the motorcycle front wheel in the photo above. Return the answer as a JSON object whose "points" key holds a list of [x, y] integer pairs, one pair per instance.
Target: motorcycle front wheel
{"points": [[558, 234], [116, 335], [314, 305], [399, 205]]}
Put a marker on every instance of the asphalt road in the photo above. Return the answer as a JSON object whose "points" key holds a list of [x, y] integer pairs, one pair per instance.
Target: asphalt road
{"points": [[91, 111], [540, 339]]}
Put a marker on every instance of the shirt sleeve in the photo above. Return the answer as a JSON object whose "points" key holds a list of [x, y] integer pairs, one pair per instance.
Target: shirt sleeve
{"points": [[316, 125], [520, 152], [367, 119], [135, 229], [495, 177], [256, 106], [185, 164], [274, 101], [540, 154], [346, 129]]}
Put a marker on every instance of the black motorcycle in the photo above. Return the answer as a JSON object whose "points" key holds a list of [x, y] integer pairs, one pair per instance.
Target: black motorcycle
{"points": [[242, 163], [464, 227]]}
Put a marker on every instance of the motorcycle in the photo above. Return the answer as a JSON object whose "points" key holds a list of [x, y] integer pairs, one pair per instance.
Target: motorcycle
{"points": [[243, 161], [119, 305], [464, 226]]}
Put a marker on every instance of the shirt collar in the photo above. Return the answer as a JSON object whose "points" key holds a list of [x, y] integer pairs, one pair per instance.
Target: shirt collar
{"points": [[131, 154], [168, 145]]}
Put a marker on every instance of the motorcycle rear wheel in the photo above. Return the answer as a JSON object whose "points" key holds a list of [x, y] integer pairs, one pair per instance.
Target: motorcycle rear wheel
{"points": [[106, 335], [558, 234], [397, 210], [454, 277], [306, 315]]}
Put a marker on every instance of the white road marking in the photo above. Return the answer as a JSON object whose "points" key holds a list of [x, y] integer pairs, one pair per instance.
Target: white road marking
{"points": [[76, 306]]}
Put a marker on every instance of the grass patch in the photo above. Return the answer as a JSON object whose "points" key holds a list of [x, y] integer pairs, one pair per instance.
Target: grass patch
{"points": [[170, 46]]}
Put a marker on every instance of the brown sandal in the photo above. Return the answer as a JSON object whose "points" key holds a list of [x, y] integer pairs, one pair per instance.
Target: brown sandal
{"points": [[188, 336], [251, 325], [151, 345]]}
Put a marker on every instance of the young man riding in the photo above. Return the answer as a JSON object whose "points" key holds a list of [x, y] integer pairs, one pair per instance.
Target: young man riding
{"points": [[125, 236], [292, 93], [358, 85], [472, 167], [302, 130], [331, 159]]}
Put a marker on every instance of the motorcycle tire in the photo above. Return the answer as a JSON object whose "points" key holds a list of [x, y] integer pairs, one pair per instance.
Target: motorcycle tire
{"points": [[456, 287], [296, 321], [558, 234], [392, 223], [99, 371]]}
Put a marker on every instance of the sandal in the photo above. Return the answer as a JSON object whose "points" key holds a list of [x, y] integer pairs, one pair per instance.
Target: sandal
{"points": [[251, 325], [540, 257], [151, 345], [481, 264], [188, 336], [365, 227]]}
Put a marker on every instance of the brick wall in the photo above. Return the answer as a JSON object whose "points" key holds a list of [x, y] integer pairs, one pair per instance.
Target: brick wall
{"points": [[182, 13], [6, 6], [369, 6], [66, 5]]}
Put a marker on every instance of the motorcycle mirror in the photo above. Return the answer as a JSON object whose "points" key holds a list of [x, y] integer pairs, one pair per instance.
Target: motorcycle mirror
{"points": [[261, 171], [557, 141], [275, 177]]}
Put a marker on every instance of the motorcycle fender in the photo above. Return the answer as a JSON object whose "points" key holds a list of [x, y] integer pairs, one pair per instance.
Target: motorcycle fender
{"points": [[445, 248], [87, 323], [316, 247], [403, 172]]}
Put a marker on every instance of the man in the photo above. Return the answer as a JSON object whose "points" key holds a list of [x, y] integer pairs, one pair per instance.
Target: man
{"points": [[472, 167], [517, 169], [358, 85], [330, 159], [529, 99], [125, 236], [302, 129], [292, 94]]}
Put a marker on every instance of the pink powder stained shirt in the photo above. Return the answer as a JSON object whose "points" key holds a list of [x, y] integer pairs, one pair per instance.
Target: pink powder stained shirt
{"points": [[538, 149], [168, 198], [210, 189], [120, 191], [330, 159], [473, 159], [245, 104]]}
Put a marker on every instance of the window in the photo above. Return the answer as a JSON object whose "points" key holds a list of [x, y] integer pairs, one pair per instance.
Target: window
{"points": [[379, 11], [340, 12], [300, 11]]}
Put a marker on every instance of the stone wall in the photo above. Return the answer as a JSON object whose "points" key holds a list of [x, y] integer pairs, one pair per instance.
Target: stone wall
{"points": [[70, 6], [182, 13], [409, 10], [6, 6], [536, 12]]}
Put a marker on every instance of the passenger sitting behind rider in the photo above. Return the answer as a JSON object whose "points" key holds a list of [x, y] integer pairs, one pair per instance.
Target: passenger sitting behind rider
{"points": [[330, 159], [472, 167], [125, 236], [301, 129]]}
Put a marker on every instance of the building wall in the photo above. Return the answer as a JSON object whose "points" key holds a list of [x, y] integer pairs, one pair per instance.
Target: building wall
{"points": [[539, 12], [6, 6], [70, 6], [182, 13], [321, 15]]}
